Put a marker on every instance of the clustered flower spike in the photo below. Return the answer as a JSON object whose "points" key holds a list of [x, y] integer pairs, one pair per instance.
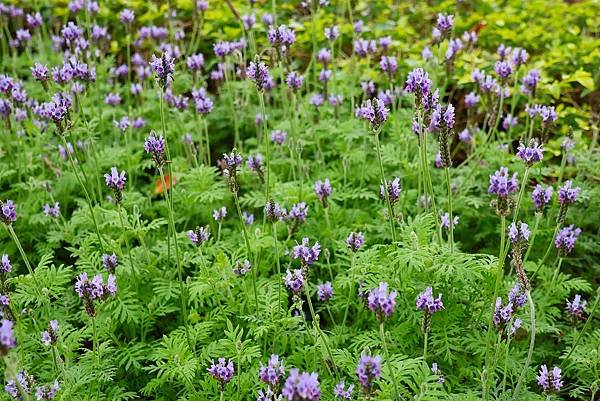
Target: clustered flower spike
{"points": [[419, 84], [567, 195], [222, 371], [47, 392], [241, 268], [381, 301], [576, 307], [503, 185], [566, 238], [530, 154], [541, 197], [518, 232], [355, 241], [445, 221], [323, 191], [199, 236], [116, 182], [305, 253], [273, 372], [5, 265], [301, 386], [50, 336], [258, 72], [294, 280], [94, 290], [110, 262], [341, 392], [374, 111], [220, 214], [393, 191], [155, 146], [368, 369], [281, 37], [232, 162], [549, 381], [7, 337], [427, 303], [274, 211], [8, 212], [324, 292], [163, 67]]}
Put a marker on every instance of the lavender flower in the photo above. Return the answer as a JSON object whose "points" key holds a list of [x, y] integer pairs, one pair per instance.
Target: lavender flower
{"points": [[273, 372], [381, 301], [195, 62], [518, 232], [445, 221], [222, 371], [112, 99], [155, 146], [324, 292], [267, 19], [316, 100], [219, 214], [471, 100], [123, 124], [248, 20], [368, 369], [331, 33], [465, 136], [568, 144], [549, 381], [427, 303], [258, 73], [566, 238], [199, 236], [301, 386], [274, 212], [355, 241], [8, 212], [50, 336], [39, 72], [163, 67], [419, 84], [576, 307], [294, 280], [374, 111], [363, 47], [110, 262], [281, 37], [242, 268], [502, 184], [305, 253], [127, 16], [541, 197], [445, 23], [115, 180], [294, 80], [47, 392], [340, 391], [323, 191], [530, 82], [530, 154], [567, 195], [278, 137], [389, 65], [503, 69], [248, 218], [94, 290], [393, 190], [7, 337], [52, 211], [324, 56]]}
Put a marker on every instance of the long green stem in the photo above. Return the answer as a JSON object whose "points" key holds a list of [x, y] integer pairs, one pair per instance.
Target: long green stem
{"points": [[425, 342], [499, 274], [261, 98], [538, 217], [531, 346], [521, 191], [85, 191], [318, 328], [387, 358], [24, 256], [182, 288], [275, 243], [585, 326], [385, 187], [248, 249], [351, 289], [451, 225]]}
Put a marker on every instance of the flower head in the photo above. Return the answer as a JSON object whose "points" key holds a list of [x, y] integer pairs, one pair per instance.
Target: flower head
{"points": [[549, 381], [7, 337], [324, 292], [576, 307], [110, 262], [8, 212], [163, 67], [502, 184], [355, 241], [541, 197], [530, 154], [155, 146], [273, 372], [381, 301], [115, 180], [567, 195], [518, 232], [393, 190], [306, 253], [427, 303], [340, 391], [566, 238], [301, 386], [323, 190], [294, 280], [368, 369], [222, 371], [5, 265], [127, 16]]}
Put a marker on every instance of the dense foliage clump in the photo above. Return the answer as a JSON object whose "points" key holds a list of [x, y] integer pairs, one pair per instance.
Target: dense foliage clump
{"points": [[299, 200]]}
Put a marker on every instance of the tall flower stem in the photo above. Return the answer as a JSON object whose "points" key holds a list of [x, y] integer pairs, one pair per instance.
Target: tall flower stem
{"points": [[182, 288], [521, 191], [385, 187], [548, 249], [498, 115], [538, 217], [387, 358], [24, 256], [531, 345], [248, 249], [499, 275], [127, 244], [275, 243], [425, 338], [317, 327], [164, 132], [451, 228], [85, 191], [351, 289], [261, 98]]}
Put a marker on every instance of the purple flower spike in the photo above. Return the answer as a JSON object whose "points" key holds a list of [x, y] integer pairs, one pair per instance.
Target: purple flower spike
{"points": [[305, 253], [294, 280], [576, 307], [199, 236], [445, 221], [294, 80], [258, 72], [7, 337], [341, 392], [419, 84], [355, 241], [301, 386], [324, 292], [381, 301], [110, 262], [273, 372], [222, 371], [549, 381], [368, 369], [541, 197], [388, 64], [278, 137], [155, 146], [374, 111], [219, 214], [163, 67], [9, 212], [427, 303], [502, 184], [323, 191], [567, 195], [127, 16], [530, 154], [115, 180], [393, 190], [566, 238]]}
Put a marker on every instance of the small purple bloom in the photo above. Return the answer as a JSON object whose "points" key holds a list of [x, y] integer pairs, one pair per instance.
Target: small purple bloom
{"points": [[566, 238], [367, 370], [530, 154], [273, 372], [427, 303], [219, 214], [9, 212], [305, 253], [222, 371], [301, 386], [127, 16], [567, 195], [576, 307], [541, 197], [294, 280], [502, 184], [278, 137], [381, 301], [549, 381], [324, 292], [355, 241], [52, 211], [110, 262]]}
